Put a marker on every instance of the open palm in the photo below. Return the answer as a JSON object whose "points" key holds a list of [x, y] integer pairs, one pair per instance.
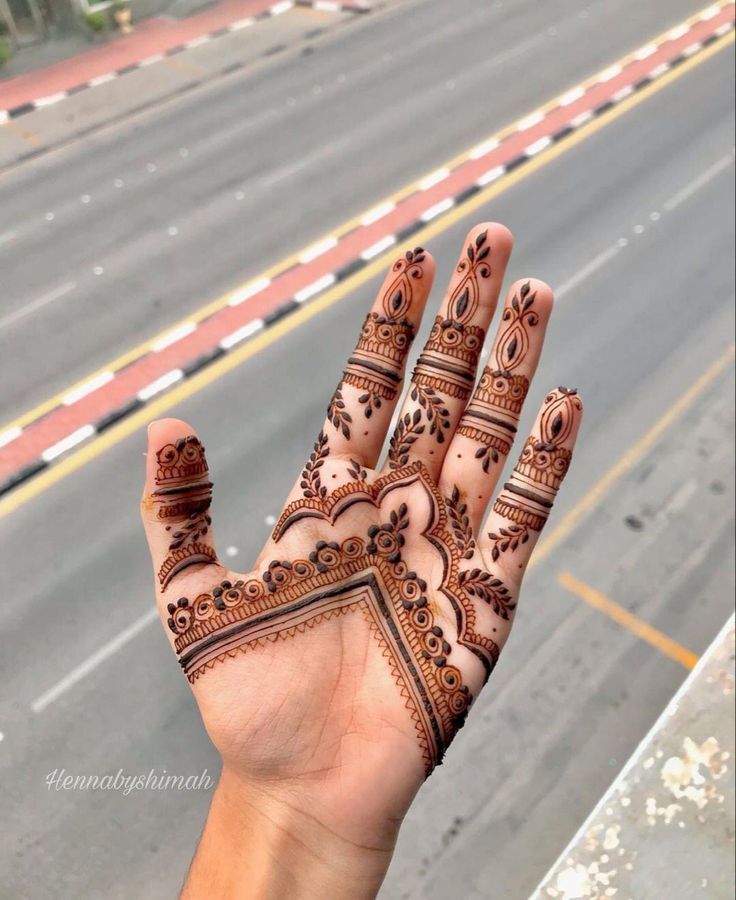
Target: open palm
{"points": [[335, 674]]}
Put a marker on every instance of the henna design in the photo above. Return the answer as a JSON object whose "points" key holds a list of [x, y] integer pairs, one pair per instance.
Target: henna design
{"points": [[337, 413], [356, 471], [376, 366], [466, 296], [489, 588], [527, 498], [450, 356], [180, 496], [311, 483], [431, 408], [508, 538], [460, 524], [367, 574], [492, 416]]}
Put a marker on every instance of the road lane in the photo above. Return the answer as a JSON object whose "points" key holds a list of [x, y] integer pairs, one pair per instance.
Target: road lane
{"points": [[134, 206], [573, 693]]}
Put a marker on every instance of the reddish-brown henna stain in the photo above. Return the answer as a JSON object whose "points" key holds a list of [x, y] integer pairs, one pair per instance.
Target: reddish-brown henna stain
{"points": [[377, 364], [447, 365], [492, 416], [183, 496], [527, 498], [367, 573]]}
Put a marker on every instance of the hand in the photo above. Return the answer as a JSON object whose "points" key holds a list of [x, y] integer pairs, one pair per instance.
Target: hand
{"points": [[334, 675]]}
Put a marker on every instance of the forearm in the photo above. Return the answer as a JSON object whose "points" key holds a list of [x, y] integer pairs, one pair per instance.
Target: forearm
{"points": [[257, 847]]}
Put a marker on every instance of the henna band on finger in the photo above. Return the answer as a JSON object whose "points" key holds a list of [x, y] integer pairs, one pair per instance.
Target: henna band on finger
{"points": [[527, 498], [492, 416], [183, 496]]}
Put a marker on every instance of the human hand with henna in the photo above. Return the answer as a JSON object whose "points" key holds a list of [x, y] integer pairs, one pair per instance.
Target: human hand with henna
{"points": [[334, 675]]}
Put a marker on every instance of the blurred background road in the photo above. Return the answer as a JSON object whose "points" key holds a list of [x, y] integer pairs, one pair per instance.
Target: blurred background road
{"points": [[633, 225]]}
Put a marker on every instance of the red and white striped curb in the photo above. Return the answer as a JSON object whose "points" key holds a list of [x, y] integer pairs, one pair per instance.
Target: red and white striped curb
{"points": [[95, 405], [276, 9]]}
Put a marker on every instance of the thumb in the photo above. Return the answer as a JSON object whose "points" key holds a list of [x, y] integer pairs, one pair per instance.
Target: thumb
{"points": [[176, 503]]}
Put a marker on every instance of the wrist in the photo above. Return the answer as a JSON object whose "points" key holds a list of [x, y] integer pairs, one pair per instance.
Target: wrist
{"points": [[266, 844]]}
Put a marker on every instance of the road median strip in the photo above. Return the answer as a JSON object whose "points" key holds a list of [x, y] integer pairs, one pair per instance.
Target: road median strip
{"points": [[104, 398]]}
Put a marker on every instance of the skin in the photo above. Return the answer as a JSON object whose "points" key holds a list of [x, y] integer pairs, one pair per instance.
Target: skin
{"points": [[322, 752]]}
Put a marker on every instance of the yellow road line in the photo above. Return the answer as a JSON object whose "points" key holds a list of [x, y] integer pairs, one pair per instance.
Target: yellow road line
{"points": [[632, 623], [265, 339], [572, 519], [22, 133], [279, 267]]}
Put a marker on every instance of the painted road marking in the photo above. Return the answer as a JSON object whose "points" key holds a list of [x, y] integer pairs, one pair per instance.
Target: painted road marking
{"points": [[120, 428], [38, 303], [591, 499], [92, 662], [633, 455], [390, 204], [632, 623], [699, 182]]}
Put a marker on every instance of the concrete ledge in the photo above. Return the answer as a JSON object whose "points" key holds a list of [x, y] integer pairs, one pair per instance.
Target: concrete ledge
{"points": [[665, 827]]}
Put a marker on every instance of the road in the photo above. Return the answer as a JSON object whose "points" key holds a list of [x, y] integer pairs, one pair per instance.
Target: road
{"points": [[408, 90], [633, 225]]}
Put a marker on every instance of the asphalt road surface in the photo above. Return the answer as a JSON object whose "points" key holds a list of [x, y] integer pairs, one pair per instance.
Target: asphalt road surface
{"points": [[634, 227]]}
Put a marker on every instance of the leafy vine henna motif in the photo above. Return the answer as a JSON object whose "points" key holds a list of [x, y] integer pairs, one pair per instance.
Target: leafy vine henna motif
{"points": [[526, 499], [337, 413], [311, 483], [431, 410], [183, 495], [356, 471], [368, 573], [457, 512], [490, 589], [377, 364], [508, 539], [450, 356], [492, 416]]}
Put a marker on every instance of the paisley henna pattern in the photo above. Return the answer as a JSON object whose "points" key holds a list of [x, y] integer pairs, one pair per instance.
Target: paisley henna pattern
{"points": [[183, 496], [366, 573], [492, 416], [527, 498], [450, 356], [377, 364]]}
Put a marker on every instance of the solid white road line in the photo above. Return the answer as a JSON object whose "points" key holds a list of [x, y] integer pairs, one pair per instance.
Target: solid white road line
{"points": [[93, 661], [37, 304], [586, 271], [698, 182]]}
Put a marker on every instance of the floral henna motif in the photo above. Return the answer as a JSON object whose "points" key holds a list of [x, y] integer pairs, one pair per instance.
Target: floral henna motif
{"points": [[528, 497], [492, 416], [366, 573], [183, 495]]}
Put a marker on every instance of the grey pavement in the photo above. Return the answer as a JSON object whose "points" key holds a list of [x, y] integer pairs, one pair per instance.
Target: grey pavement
{"points": [[646, 205], [665, 826], [247, 169]]}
